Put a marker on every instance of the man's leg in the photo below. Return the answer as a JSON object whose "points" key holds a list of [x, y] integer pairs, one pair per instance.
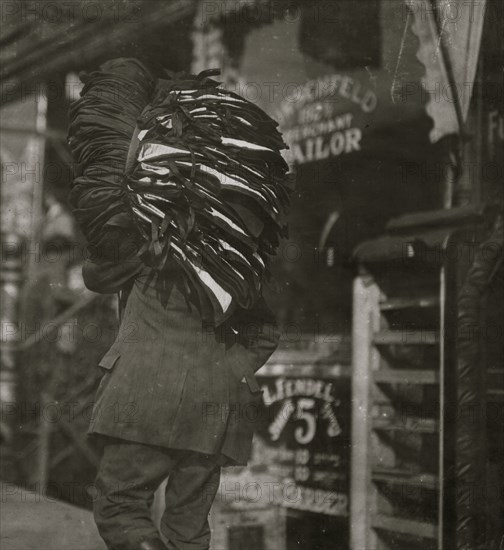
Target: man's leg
{"points": [[128, 475], [190, 491]]}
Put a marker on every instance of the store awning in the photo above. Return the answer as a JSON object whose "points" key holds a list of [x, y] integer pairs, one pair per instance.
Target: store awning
{"points": [[43, 38], [449, 32], [412, 235]]}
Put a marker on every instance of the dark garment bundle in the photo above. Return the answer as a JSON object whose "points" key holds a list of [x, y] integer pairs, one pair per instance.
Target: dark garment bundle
{"points": [[179, 168]]}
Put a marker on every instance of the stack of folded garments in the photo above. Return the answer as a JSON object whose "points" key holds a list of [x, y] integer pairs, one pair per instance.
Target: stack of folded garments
{"points": [[102, 123], [202, 179]]}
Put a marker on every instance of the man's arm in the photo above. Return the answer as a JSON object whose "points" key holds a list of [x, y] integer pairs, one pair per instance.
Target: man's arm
{"points": [[255, 337], [259, 332], [109, 277], [114, 263]]}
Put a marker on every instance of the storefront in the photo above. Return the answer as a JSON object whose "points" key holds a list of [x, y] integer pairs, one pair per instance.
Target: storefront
{"points": [[353, 114], [371, 139]]}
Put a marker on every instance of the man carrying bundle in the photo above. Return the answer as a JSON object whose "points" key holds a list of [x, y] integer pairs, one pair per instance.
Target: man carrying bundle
{"points": [[182, 194]]}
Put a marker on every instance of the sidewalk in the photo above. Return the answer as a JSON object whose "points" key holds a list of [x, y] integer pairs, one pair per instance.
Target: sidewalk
{"points": [[31, 522]]}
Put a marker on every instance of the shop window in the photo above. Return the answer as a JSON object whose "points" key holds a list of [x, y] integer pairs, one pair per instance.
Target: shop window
{"points": [[326, 70]]}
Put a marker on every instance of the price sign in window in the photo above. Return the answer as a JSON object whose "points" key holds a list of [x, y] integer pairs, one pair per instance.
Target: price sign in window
{"points": [[305, 440]]}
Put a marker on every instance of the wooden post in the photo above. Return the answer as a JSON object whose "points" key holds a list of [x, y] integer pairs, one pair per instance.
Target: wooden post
{"points": [[11, 278], [44, 444], [365, 323], [37, 148]]}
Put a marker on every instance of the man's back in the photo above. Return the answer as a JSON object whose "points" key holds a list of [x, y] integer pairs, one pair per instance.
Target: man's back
{"points": [[171, 380]]}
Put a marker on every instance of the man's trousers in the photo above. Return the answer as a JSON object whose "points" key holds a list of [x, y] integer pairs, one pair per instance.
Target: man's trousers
{"points": [[130, 473]]}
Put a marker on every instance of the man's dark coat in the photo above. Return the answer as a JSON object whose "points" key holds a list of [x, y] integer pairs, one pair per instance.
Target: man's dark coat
{"points": [[171, 381]]}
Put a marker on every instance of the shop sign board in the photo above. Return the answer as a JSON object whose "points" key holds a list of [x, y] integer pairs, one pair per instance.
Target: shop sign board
{"points": [[305, 440], [327, 117], [489, 98]]}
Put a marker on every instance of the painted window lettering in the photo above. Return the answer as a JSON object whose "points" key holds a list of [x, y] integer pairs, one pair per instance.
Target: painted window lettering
{"points": [[304, 412]]}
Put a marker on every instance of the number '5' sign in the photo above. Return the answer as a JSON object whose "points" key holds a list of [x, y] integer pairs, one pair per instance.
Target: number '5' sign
{"points": [[305, 434]]}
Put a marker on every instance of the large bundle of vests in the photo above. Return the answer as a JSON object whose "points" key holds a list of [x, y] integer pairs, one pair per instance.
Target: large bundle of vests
{"points": [[191, 171]]}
